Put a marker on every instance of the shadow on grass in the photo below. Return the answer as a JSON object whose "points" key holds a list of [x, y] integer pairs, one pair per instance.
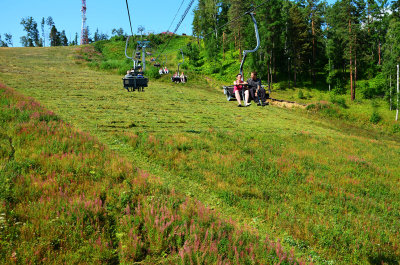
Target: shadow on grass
{"points": [[383, 259]]}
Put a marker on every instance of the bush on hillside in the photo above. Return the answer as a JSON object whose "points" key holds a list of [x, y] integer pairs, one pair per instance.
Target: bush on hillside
{"points": [[99, 45], [375, 117], [339, 101], [152, 72], [300, 94], [118, 38], [395, 128], [374, 87]]}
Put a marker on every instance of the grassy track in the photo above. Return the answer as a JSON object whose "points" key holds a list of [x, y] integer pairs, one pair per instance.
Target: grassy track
{"points": [[329, 190]]}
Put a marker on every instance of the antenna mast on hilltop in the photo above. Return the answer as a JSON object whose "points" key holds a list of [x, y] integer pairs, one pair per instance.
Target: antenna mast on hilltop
{"points": [[84, 31]]}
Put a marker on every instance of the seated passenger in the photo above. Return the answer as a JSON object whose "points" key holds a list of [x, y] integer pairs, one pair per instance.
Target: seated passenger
{"points": [[238, 87], [256, 91], [140, 73], [128, 73], [166, 70], [160, 71], [183, 78]]}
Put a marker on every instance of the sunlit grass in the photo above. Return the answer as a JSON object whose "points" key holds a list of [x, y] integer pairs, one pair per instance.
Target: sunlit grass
{"points": [[326, 186], [66, 198]]}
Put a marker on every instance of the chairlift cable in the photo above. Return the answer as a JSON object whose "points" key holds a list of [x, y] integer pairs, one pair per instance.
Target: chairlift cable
{"points": [[177, 26], [129, 15], [175, 15]]}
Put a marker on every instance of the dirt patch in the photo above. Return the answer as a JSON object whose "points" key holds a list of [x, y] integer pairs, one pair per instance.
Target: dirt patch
{"points": [[286, 103]]}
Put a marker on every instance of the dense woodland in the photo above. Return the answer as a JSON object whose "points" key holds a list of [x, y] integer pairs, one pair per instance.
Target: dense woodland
{"points": [[310, 40]]}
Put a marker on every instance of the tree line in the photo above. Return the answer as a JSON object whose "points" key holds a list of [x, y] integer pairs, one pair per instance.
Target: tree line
{"points": [[49, 34], [309, 40]]}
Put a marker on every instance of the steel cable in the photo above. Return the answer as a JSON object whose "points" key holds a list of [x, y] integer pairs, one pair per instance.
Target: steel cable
{"points": [[175, 15], [129, 15], [177, 27]]}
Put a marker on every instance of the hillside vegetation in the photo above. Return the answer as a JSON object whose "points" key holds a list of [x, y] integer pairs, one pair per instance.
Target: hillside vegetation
{"points": [[325, 186]]}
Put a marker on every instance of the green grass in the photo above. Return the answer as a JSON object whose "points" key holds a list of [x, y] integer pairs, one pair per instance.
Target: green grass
{"points": [[65, 198], [321, 184]]}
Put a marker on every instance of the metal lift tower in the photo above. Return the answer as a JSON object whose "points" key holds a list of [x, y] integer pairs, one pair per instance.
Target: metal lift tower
{"points": [[84, 33]]}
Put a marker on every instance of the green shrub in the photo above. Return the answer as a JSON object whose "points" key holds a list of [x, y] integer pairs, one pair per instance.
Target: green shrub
{"points": [[300, 94], [395, 128], [375, 117], [373, 88], [331, 112], [112, 64], [99, 45], [338, 101], [317, 106], [152, 72], [338, 83], [118, 38]]}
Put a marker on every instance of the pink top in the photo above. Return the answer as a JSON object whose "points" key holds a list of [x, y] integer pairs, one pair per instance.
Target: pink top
{"points": [[237, 87]]}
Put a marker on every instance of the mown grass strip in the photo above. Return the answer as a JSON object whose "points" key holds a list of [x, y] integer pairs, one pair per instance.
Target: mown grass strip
{"points": [[67, 198]]}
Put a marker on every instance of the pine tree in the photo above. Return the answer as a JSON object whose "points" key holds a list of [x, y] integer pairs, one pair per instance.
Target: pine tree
{"points": [[237, 28], [298, 41], [55, 39], [314, 10], [63, 39]]}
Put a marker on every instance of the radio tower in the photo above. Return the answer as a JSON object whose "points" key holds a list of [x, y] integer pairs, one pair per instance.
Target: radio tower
{"points": [[84, 33]]}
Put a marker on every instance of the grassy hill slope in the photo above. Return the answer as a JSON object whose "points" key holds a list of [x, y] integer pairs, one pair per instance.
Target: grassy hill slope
{"points": [[328, 189]]}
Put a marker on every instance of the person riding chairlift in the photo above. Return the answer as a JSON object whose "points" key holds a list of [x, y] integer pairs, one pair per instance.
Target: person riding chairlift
{"points": [[176, 78], [256, 90], [166, 70], [140, 73], [183, 79], [239, 85], [160, 71]]}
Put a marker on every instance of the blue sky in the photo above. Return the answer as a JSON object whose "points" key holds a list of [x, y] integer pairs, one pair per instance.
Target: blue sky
{"points": [[154, 15]]}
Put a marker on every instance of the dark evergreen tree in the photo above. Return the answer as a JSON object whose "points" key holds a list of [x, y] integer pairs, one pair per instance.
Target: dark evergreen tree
{"points": [[314, 11], [63, 39], [55, 39], [298, 41]]}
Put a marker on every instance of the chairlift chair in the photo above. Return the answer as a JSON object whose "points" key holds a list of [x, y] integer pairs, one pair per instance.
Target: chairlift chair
{"points": [[135, 79], [228, 90], [177, 79], [164, 65]]}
